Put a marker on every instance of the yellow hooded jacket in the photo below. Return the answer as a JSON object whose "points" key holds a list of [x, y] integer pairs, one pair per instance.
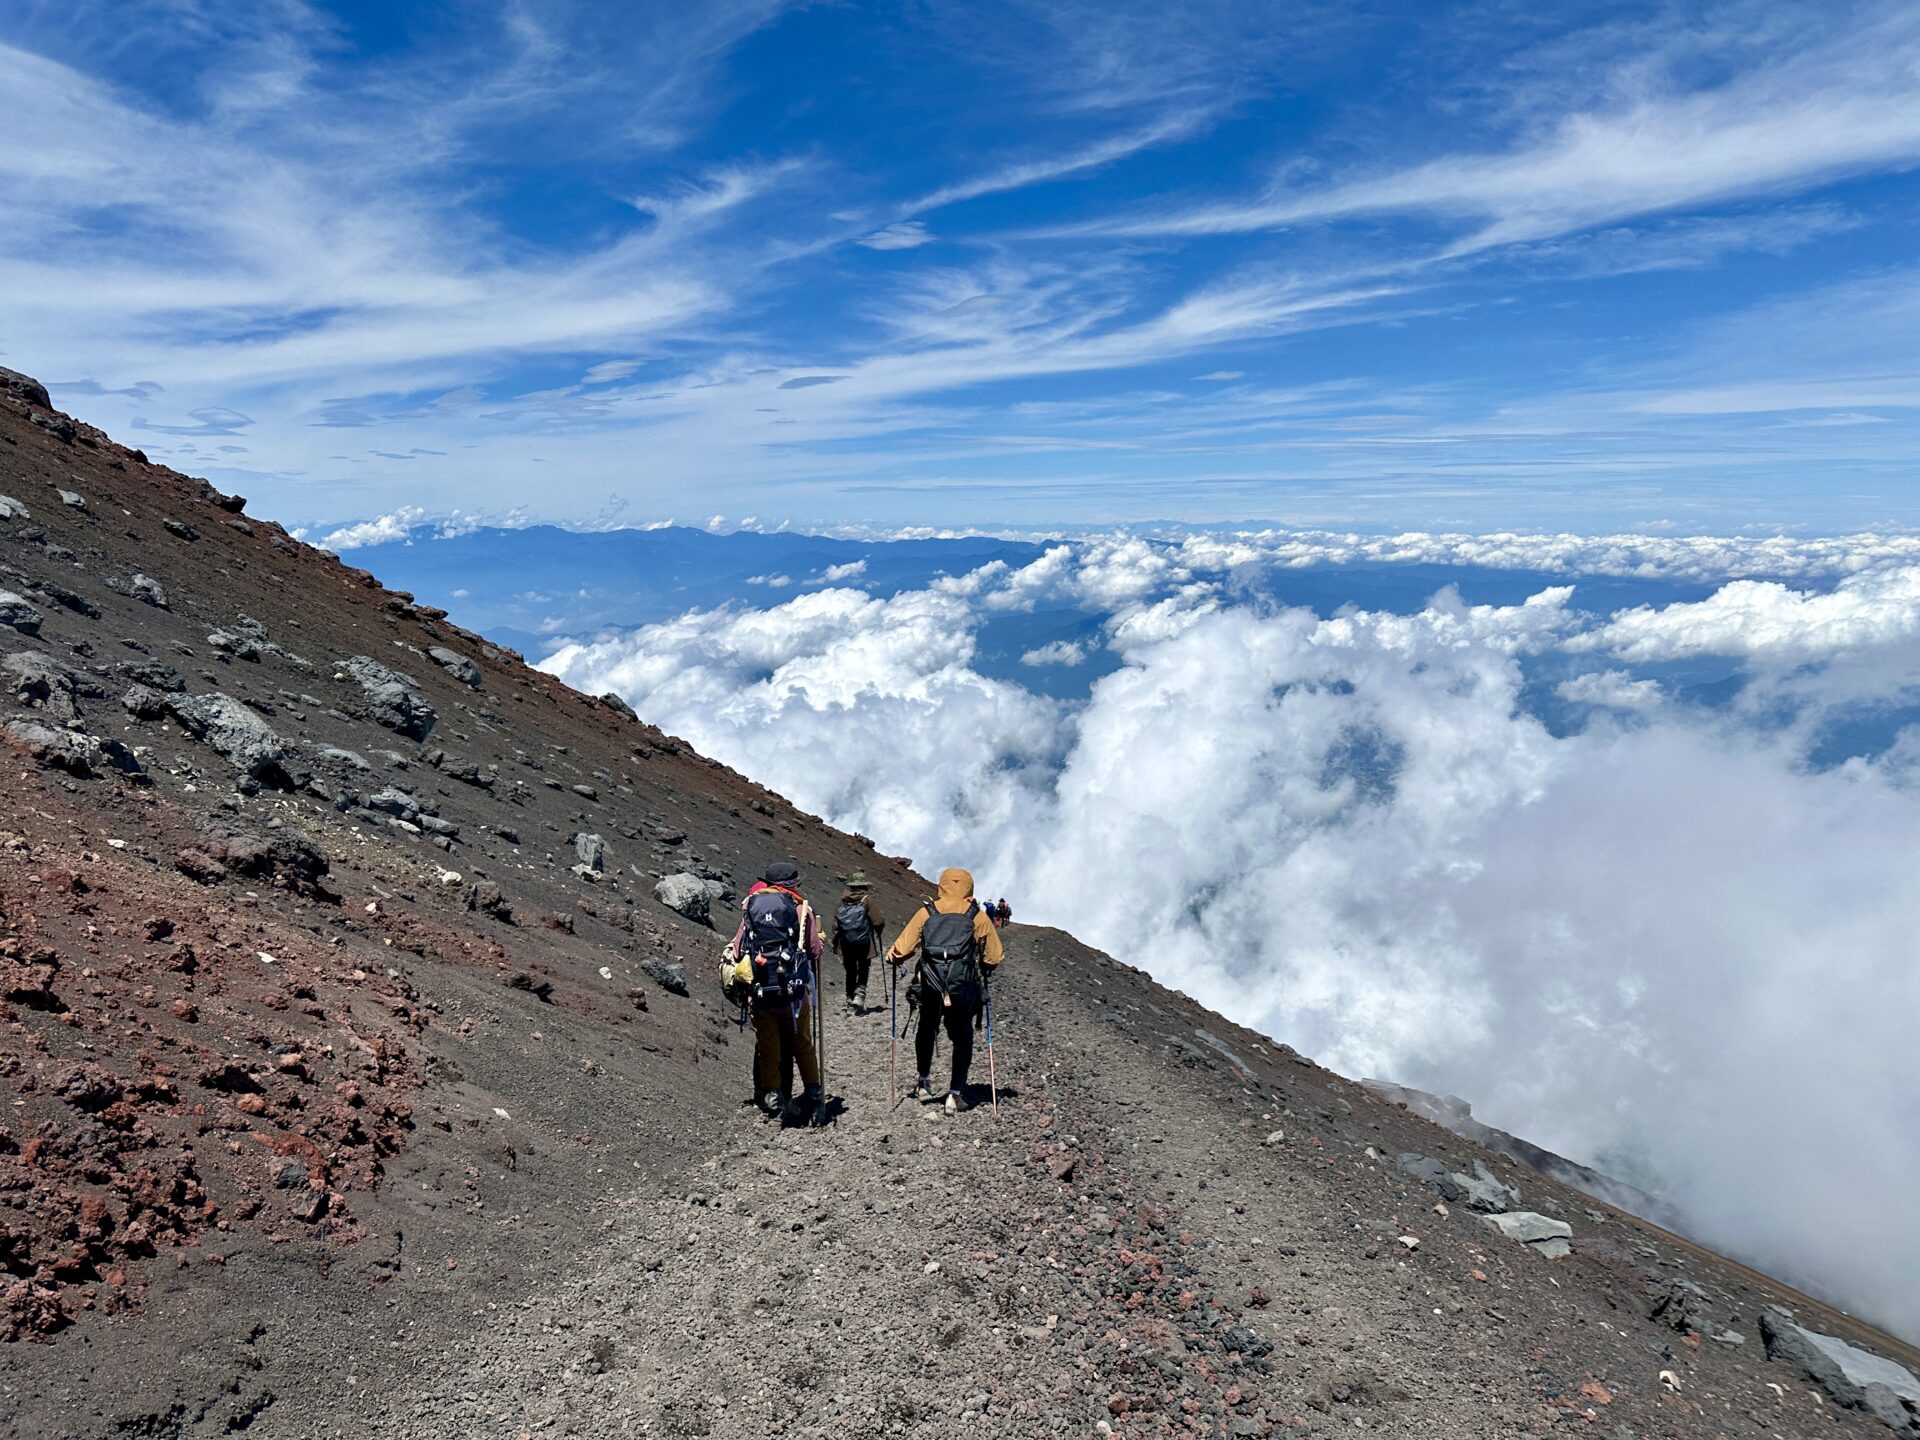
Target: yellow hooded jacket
{"points": [[956, 893]]}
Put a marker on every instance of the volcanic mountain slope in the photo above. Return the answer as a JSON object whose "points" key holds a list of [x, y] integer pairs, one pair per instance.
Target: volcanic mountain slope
{"points": [[360, 1080]]}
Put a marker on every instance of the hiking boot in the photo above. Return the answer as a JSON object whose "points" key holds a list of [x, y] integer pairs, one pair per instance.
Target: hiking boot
{"points": [[860, 1001], [802, 1108], [923, 1090], [773, 1102], [956, 1102]]}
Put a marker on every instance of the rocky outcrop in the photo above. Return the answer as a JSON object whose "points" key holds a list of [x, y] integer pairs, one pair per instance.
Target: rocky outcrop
{"points": [[224, 724], [18, 614], [1540, 1233], [1450, 1112], [455, 664], [279, 857], [393, 698], [68, 750], [37, 679], [671, 978], [235, 643], [1855, 1378], [687, 894], [24, 387], [1482, 1190], [591, 851], [143, 702]]}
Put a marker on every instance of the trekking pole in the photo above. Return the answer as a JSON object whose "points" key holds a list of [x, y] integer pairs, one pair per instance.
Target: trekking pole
{"points": [[819, 1052], [993, 1075], [893, 1028]]}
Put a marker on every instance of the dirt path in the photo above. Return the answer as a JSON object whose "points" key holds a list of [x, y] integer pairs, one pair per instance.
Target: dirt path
{"points": [[900, 1272]]}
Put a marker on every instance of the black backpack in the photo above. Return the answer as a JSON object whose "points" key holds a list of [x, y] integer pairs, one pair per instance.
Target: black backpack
{"points": [[948, 948], [772, 943], [853, 922]]}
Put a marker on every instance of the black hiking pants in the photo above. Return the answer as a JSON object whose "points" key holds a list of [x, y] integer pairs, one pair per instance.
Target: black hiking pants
{"points": [[958, 1018], [858, 960]]}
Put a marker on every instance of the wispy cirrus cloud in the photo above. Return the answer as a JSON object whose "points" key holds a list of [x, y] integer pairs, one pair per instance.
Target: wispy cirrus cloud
{"points": [[630, 257], [1179, 124], [244, 246], [1849, 104]]}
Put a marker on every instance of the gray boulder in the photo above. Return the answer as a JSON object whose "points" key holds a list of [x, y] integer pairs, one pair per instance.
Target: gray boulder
{"points": [[351, 759], [36, 678], [1432, 1173], [455, 664], [614, 702], [143, 702], [393, 698], [591, 851], [1483, 1190], [154, 673], [235, 643], [486, 897], [1487, 1192], [67, 750], [224, 724], [147, 590], [671, 978], [25, 387], [1551, 1238], [72, 499], [1855, 1378], [16, 612], [12, 509], [395, 802], [688, 894]]}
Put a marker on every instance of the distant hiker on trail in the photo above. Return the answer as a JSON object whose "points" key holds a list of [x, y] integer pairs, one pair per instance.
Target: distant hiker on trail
{"points": [[959, 950], [770, 968], [858, 927], [1003, 913]]}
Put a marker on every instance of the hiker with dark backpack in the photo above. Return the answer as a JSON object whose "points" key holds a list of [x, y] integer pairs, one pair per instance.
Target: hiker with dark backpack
{"points": [[857, 929], [770, 969], [959, 951]]}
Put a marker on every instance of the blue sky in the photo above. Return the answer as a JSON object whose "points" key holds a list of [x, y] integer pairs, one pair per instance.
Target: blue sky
{"points": [[993, 264]]}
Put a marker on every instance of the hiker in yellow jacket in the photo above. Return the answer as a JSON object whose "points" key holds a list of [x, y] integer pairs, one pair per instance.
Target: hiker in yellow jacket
{"points": [[959, 948]]}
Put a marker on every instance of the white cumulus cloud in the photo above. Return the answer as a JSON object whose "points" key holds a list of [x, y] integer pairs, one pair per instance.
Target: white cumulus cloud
{"points": [[1056, 652], [1662, 948], [395, 525], [1768, 619]]}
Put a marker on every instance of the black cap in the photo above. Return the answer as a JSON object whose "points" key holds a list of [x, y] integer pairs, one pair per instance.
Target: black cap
{"points": [[781, 873]]}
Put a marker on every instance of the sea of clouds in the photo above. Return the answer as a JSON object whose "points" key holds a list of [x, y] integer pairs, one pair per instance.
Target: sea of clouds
{"points": [[1677, 938]]}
